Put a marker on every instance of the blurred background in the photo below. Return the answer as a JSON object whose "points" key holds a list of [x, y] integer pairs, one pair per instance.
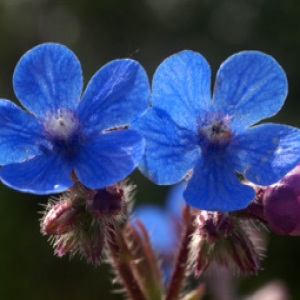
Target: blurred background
{"points": [[146, 30]]}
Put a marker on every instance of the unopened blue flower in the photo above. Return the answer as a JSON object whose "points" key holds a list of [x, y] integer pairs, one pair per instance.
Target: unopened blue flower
{"points": [[63, 132], [164, 226], [160, 227], [210, 139]]}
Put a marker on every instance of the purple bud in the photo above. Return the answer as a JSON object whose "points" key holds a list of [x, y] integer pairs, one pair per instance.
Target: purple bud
{"points": [[106, 201], [281, 203]]}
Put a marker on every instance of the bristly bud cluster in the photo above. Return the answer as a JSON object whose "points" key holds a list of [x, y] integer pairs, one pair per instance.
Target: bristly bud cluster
{"points": [[223, 239], [78, 221]]}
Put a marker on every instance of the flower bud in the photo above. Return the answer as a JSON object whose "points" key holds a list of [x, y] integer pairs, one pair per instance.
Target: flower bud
{"points": [[79, 220], [64, 244], [106, 201], [281, 202], [60, 217], [221, 239]]}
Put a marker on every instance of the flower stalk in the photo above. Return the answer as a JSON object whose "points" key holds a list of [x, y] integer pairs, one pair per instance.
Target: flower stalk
{"points": [[144, 262], [181, 263], [120, 259]]}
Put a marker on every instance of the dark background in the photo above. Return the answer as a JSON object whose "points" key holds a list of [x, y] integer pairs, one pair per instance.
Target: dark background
{"points": [[148, 31]]}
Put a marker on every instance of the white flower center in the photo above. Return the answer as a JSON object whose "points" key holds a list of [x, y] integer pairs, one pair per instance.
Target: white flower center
{"points": [[217, 132], [61, 125], [214, 131]]}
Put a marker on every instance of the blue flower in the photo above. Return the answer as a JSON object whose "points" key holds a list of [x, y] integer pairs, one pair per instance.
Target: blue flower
{"points": [[210, 139], [65, 133], [164, 226], [160, 227]]}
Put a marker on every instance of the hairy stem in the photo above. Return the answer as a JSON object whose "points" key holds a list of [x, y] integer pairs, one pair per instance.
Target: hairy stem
{"points": [[121, 261], [179, 272]]}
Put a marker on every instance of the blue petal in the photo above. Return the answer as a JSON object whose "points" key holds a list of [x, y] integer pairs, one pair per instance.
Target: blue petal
{"points": [[181, 87], [267, 152], [47, 78], [20, 134], [250, 86], [116, 95], [44, 174], [214, 186], [170, 150], [108, 158]]}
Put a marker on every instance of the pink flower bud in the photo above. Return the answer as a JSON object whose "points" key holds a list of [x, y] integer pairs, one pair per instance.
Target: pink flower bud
{"points": [[60, 218]]}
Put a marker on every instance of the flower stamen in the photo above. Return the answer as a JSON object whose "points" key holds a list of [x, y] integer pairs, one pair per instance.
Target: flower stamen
{"points": [[61, 125], [214, 131]]}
